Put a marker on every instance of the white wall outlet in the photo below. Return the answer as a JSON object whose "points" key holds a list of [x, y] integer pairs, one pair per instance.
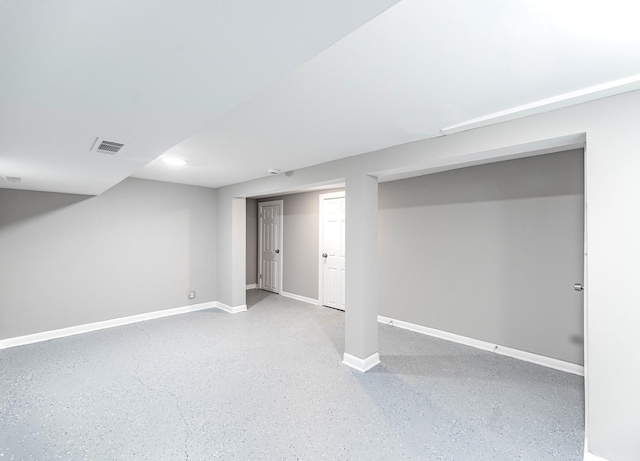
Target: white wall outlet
{"points": [[192, 295]]}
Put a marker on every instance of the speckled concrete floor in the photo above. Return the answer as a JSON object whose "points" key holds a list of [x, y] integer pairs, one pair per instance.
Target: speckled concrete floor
{"points": [[268, 385]]}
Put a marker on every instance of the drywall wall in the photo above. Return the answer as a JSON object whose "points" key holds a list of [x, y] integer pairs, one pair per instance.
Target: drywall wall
{"points": [[300, 242], [70, 260], [608, 126], [489, 252], [252, 241]]}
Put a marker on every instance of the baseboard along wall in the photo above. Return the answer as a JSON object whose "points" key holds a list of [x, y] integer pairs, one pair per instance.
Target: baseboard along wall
{"points": [[486, 346], [349, 360], [304, 299], [79, 329], [229, 309], [362, 365], [252, 286], [588, 456]]}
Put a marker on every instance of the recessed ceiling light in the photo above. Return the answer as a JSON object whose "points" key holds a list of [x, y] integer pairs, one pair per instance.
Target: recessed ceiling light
{"points": [[174, 161]]}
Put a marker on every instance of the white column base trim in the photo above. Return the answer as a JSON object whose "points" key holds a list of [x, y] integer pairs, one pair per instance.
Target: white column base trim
{"points": [[304, 299], [252, 286], [229, 309], [478, 344], [588, 456], [78, 329], [360, 364]]}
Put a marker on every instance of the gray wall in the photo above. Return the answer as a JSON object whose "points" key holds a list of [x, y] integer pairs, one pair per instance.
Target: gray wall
{"points": [[300, 241], [69, 260], [490, 252], [252, 241], [608, 126]]}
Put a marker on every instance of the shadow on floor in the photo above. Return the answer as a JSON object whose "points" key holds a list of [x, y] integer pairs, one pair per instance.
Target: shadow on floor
{"points": [[477, 367], [255, 296]]}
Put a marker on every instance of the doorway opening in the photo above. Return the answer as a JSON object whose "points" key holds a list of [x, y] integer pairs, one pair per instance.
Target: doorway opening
{"points": [[490, 253], [300, 251]]}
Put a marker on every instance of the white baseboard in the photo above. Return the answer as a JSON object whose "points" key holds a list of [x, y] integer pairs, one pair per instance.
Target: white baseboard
{"points": [[252, 286], [478, 344], [360, 364], [78, 329], [304, 299], [229, 309], [588, 456]]}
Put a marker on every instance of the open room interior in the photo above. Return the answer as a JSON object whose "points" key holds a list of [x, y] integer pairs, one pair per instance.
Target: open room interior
{"points": [[269, 383], [467, 209], [487, 252]]}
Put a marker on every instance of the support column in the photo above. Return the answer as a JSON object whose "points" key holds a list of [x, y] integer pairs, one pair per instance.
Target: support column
{"points": [[231, 254], [239, 258], [361, 312]]}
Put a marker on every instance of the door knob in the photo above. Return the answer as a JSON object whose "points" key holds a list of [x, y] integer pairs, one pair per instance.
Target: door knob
{"points": [[324, 255], [578, 287], [277, 251]]}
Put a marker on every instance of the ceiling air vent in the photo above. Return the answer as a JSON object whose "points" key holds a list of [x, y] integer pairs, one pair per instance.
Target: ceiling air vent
{"points": [[106, 147], [11, 178]]}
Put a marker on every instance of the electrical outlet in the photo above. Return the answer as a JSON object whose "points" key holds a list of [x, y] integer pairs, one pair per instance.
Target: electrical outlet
{"points": [[192, 295]]}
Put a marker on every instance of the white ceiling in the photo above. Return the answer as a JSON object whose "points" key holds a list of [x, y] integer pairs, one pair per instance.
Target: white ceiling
{"points": [[143, 72], [241, 87]]}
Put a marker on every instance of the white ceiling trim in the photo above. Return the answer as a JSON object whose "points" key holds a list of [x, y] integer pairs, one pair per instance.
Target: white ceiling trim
{"points": [[604, 90]]}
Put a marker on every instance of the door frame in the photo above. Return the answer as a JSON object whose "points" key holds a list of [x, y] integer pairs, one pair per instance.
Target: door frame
{"points": [[280, 203], [322, 198]]}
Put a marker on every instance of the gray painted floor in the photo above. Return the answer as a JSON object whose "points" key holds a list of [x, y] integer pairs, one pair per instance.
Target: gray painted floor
{"points": [[269, 384]]}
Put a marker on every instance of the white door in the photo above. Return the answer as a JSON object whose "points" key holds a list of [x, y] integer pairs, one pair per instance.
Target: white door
{"points": [[332, 249], [270, 245]]}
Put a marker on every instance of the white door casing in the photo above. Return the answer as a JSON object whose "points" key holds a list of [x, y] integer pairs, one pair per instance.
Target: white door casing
{"points": [[270, 245], [331, 286]]}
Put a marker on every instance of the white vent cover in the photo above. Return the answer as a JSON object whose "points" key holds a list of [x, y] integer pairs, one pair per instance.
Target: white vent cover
{"points": [[106, 147], [11, 178]]}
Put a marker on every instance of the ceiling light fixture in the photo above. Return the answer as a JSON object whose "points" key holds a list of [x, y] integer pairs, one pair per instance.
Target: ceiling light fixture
{"points": [[174, 161]]}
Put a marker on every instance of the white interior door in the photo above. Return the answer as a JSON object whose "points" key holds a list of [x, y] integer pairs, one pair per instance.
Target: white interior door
{"points": [[270, 245], [332, 250]]}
